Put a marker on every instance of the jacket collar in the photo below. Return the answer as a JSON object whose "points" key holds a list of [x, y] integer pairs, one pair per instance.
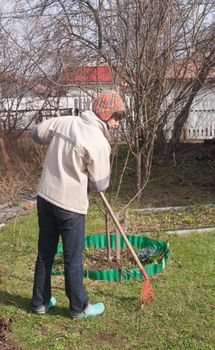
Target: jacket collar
{"points": [[90, 118]]}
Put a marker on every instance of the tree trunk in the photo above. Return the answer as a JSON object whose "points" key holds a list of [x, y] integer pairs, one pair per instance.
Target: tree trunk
{"points": [[7, 164], [160, 142], [138, 173]]}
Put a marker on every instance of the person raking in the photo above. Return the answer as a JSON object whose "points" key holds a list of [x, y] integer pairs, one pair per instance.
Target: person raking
{"points": [[77, 161]]}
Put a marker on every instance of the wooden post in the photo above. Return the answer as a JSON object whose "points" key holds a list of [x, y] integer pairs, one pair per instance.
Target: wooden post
{"points": [[109, 257], [118, 249]]}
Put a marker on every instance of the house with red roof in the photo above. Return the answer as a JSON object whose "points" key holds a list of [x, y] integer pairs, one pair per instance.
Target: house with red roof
{"points": [[82, 83], [77, 85]]}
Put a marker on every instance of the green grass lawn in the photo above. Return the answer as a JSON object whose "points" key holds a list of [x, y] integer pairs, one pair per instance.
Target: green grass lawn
{"points": [[182, 314], [180, 317]]}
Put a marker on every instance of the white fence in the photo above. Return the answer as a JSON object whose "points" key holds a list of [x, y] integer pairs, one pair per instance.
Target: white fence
{"points": [[200, 124]]}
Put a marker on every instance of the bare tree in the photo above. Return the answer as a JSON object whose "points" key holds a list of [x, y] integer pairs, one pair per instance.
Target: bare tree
{"points": [[141, 41], [24, 93]]}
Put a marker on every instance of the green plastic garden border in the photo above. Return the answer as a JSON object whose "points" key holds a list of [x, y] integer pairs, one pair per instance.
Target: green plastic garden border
{"points": [[115, 275]]}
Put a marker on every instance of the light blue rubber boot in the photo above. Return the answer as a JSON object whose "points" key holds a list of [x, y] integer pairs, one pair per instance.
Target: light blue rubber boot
{"points": [[43, 309], [91, 310]]}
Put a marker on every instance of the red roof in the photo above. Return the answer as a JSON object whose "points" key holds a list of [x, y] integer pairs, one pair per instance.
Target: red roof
{"points": [[87, 74], [34, 86], [189, 69]]}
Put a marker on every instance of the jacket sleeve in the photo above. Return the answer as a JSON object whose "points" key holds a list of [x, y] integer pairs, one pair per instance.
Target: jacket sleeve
{"points": [[99, 170], [43, 132]]}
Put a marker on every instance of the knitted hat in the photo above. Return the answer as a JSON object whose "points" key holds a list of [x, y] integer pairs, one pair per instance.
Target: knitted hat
{"points": [[106, 103]]}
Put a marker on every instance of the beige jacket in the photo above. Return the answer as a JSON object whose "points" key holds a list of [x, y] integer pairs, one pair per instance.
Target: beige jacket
{"points": [[77, 160]]}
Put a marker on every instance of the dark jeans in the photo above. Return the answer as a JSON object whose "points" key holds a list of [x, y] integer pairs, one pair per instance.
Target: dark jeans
{"points": [[53, 222]]}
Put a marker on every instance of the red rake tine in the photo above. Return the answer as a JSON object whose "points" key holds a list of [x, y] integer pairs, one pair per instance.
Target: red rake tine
{"points": [[147, 293]]}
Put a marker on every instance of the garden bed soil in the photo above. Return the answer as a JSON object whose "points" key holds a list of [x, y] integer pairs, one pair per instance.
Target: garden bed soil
{"points": [[97, 260]]}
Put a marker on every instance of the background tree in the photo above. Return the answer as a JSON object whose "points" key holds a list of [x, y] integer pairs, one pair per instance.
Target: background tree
{"points": [[142, 42]]}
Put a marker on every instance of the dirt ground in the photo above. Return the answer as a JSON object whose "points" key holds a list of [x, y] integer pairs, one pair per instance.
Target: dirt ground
{"points": [[6, 344]]}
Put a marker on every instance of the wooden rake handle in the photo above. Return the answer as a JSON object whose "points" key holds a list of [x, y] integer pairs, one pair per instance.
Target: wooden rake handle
{"points": [[116, 221]]}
